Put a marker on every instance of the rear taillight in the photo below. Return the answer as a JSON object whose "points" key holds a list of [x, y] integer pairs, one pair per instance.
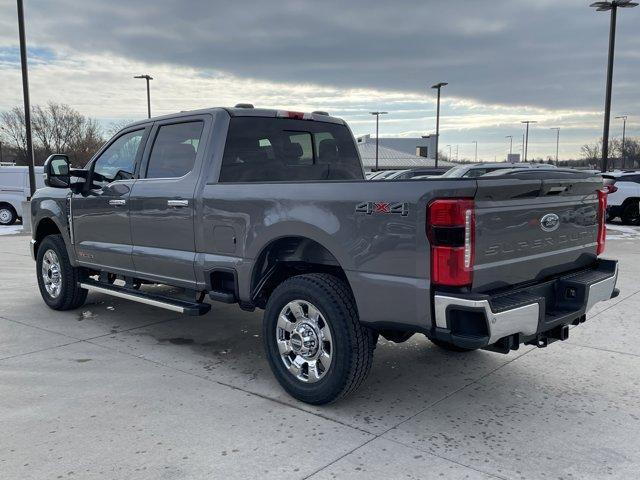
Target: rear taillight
{"points": [[451, 232], [609, 189], [602, 217]]}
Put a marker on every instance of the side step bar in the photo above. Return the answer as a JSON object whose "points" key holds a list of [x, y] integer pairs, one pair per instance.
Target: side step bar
{"points": [[168, 303]]}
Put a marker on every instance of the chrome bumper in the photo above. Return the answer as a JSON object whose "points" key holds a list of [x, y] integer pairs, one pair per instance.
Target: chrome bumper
{"points": [[532, 312]]}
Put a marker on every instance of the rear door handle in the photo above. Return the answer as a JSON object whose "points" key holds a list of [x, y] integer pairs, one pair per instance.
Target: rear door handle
{"points": [[178, 203], [117, 203]]}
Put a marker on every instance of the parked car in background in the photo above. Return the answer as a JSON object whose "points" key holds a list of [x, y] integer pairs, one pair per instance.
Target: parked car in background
{"points": [[417, 172], [480, 169], [624, 196], [384, 174], [14, 189]]}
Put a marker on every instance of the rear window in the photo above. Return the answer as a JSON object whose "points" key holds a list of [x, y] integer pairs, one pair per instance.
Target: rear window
{"points": [[270, 150]]}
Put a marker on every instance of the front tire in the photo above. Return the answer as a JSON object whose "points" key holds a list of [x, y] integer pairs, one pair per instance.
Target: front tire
{"points": [[316, 346], [57, 279]]}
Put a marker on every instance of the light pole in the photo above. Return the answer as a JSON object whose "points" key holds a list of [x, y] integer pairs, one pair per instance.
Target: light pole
{"points": [[147, 78], [25, 94], [449, 152], [438, 86], [377, 114], [476, 156], [557, 129], [624, 138], [526, 138], [510, 137], [605, 7], [457, 152]]}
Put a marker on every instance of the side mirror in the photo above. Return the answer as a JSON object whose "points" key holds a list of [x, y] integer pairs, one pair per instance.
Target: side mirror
{"points": [[56, 171]]}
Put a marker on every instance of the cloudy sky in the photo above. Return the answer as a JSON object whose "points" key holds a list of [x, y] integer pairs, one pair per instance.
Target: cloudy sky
{"points": [[505, 61]]}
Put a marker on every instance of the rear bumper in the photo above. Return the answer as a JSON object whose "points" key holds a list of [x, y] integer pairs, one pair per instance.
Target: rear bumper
{"points": [[536, 314]]}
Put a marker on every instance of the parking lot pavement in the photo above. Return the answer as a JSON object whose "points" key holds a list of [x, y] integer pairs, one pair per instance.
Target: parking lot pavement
{"points": [[121, 390]]}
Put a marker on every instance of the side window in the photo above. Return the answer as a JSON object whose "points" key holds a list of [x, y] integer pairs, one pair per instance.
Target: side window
{"points": [[118, 161], [174, 150]]}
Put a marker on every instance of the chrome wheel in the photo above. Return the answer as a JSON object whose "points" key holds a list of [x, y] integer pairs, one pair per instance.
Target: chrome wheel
{"points": [[304, 341], [51, 274], [6, 216]]}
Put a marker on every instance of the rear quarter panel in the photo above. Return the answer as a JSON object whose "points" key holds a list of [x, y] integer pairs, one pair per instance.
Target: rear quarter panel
{"points": [[385, 255]]}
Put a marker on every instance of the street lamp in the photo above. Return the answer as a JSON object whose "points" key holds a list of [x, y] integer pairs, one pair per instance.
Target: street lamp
{"points": [[557, 129], [624, 135], [526, 139], [605, 7], [147, 78], [438, 86], [25, 93], [377, 114], [476, 142], [510, 137], [449, 152]]}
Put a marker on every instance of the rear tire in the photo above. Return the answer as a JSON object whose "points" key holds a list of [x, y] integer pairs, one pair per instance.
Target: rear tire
{"points": [[8, 215], [309, 318], [57, 279], [631, 213], [450, 346]]}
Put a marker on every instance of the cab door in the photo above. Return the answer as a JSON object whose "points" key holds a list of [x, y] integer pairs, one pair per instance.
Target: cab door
{"points": [[162, 201], [100, 226]]}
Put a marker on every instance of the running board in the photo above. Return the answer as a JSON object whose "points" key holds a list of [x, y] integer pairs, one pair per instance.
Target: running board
{"points": [[168, 303]]}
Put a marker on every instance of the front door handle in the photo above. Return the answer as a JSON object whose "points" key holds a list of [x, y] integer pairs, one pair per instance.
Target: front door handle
{"points": [[117, 203], [178, 203]]}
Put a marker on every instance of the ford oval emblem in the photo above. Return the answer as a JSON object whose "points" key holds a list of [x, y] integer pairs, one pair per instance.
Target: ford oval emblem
{"points": [[550, 222]]}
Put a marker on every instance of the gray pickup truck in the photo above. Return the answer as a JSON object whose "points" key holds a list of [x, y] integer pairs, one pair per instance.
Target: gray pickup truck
{"points": [[270, 209]]}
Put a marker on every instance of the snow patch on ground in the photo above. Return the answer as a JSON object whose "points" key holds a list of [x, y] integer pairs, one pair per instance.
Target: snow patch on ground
{"points": [[10, 229], [619, 232]]}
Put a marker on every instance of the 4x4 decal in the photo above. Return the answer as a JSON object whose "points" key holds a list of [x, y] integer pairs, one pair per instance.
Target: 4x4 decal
{"points": [[370, 208]]}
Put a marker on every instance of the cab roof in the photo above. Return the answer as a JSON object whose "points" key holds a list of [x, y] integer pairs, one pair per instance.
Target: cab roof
{"points": [[244, 110]]}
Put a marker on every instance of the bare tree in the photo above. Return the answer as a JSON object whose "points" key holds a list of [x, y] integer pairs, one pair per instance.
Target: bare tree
{"points": [[57, 128], [12, 128], [591, 152], [632, 153]]}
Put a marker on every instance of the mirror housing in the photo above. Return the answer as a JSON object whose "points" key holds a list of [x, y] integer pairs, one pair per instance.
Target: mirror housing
{"points": [[57, 171]]}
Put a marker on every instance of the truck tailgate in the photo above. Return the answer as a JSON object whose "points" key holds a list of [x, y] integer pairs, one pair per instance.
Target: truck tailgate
{"points": [[533, 225]]}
